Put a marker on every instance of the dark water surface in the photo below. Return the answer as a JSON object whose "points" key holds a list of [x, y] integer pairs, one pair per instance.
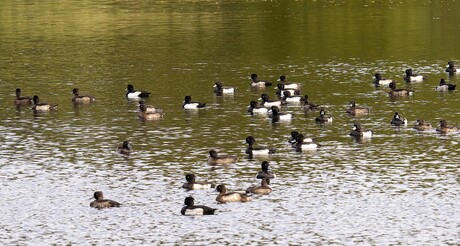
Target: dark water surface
{"points": [[400, 187]]}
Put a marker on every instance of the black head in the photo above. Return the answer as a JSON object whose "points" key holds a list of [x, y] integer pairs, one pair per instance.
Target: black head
{"points": [[352, 104], [378, 76], [98, 195], [392, 85], [126, 145], [442, 82], [254, 77], [190, 177], [187, 99], [213, 153], [287, 93], [18, 92], [275, 110], [265, 166], [36, 99], [280, 86], [264, 97], [282, 78], [443, 123], [356, 127], [130, 88], [409, 72], [450, 63], [294, 134], [396, 116], [221, 188], [189, 201], [253, 104], [75, 91], [250, 140], [218, 84]]}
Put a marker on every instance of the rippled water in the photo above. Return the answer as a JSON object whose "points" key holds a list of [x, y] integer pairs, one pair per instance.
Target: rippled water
{"points": [[400, 187]]}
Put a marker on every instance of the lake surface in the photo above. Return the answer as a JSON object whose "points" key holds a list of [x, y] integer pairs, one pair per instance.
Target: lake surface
{"points": [[399, 187]]}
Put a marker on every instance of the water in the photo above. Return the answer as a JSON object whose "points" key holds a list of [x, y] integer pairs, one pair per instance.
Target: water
{"points": [[400, 187]]}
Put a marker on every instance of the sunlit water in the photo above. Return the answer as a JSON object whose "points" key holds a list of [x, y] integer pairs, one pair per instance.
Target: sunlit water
{"points": [[399, 187]]}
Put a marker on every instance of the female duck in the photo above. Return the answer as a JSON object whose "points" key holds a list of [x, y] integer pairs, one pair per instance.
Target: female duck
{"points": [[100, 202], [149, 108], [358, 132], [188, 104], [323, 117], [259, 83], [42, 107], [251, 150], [444, 128], [263, 189], [135, 95], [220, 89], [266, 102], [215, 159], [398, 121], [125, 148], [191, 209], [265, 172], [410, 77], [192, 184], [294, 86], [152, 115], [357, 110], [277, 115], [255, 108], [19, 100], [224, 197], [451, 68], [303, 143], [443, 86], [378, 80], [309, 106], [77, 99], [421, 125], [399, 92]]}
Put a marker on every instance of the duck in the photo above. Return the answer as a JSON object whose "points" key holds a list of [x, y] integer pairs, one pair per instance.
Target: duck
{"points": [[225, 196], [276, 115], [42, 107], [399, 92], [77, 99], [263, 189], [357, 110], [100, 202], [251, 150], [421, 125], [259, 83], [323, 117], [192, 184], [398, 121], [281, 89], [444, 86], [19, 100], [215, 159], [451, 68], [265, 171], [303, 143], [358, 132], [293, 138], [294, 86], [133, 94], [266, 102], [191, 209], [410, 77], [153, 114], [309, 106], [125, 148], [220, 90], [149, 108], [256, 108], [444, 128], [378, 80], [289, 98], [188, 104]]}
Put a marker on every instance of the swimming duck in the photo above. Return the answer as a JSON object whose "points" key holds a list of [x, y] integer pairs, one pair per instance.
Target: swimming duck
{"points": [[451, 68], [259, 83], [133, 94], [125, 148], [256, 108], [289, 98], [421, 125], [444, 86], [251, 150], [266, 102], [303, 143], [323, 118], [154, 113], [378, 80], [265, 172], [410, 77], [220, 90], [358, 132], [77, 99], [294, 86], [224, 197], [281, 88], [309, 106], [277, 115], [357, 110], [444, 128], [263, 189], [19, 100], [399, 92], [192, 184], [100, 202], [188, 104], [149, 108], [215, 159], [191, 209], [398, 121], [42, 107]]}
